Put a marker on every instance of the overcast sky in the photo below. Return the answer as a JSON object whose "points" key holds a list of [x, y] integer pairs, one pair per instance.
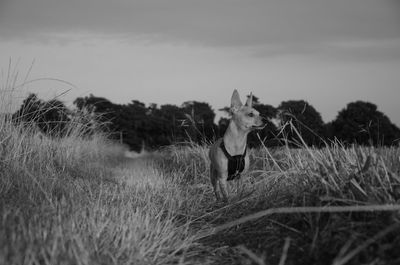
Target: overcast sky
{"points": [[169, 51]]}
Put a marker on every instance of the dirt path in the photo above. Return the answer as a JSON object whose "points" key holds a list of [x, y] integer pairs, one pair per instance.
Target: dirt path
{"points": [[139, 170]]}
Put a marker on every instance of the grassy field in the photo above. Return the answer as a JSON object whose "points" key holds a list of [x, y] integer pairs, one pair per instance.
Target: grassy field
{"points": [[78, 200]]}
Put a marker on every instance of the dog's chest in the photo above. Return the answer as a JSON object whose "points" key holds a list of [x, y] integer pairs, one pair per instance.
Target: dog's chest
{"points": [[236, 164]]}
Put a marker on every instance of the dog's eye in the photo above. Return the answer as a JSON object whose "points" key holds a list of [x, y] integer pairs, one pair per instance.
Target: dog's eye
{"points": [[251, 114]]}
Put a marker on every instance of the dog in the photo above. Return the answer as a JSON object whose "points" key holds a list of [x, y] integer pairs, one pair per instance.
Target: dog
{"points": [[228, 155]]}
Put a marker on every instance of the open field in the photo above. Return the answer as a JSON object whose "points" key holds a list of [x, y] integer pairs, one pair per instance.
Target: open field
{"points": [[78, 200]]}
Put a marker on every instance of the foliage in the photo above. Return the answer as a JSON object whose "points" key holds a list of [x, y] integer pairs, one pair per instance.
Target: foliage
{"points": [[51, 117], [201, 118], [140, 126], [102, 109], [361, 122], [269, 133], [305, 119]]}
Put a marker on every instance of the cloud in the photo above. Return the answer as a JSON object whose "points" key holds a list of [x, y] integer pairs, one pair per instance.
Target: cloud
{"points": [[267, 27], [355, 51]]}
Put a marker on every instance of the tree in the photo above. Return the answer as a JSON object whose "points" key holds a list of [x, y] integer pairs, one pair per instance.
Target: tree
{"points": [[304, 118], [51, 117], [137, 124], [200, 117], [361, 122], [97, 105], [173, 122], [269, 132], [107, 115], [131, 121]]}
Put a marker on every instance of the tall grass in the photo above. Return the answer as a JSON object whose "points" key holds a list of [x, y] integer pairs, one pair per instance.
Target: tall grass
{"points": [[332, 205], [76, 199], [65, 200]]}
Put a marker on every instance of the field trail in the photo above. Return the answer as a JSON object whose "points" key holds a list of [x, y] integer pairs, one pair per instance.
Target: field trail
{"points": [[138, 171]]}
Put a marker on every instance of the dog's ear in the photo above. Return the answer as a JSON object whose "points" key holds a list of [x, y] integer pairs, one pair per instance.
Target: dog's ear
{"points": [[236, 103], [249, 101]]}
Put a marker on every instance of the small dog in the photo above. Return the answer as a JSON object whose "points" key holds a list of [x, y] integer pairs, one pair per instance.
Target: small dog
{"points": [[228, 155]]}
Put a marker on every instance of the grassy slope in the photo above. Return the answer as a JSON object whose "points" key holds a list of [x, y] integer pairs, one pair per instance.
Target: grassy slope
{"points": [[332, 176], [76, 200]]}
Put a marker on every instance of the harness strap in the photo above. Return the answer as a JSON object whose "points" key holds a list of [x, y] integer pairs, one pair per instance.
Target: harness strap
{"points": [[236, 163], [222, 145]]}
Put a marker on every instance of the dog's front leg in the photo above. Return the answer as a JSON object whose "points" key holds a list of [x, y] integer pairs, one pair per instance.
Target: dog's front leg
{"points": [[215, 183], [223, 185]]}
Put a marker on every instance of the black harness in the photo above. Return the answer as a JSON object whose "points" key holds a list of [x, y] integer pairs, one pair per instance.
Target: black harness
{"points": [[235, 163]]}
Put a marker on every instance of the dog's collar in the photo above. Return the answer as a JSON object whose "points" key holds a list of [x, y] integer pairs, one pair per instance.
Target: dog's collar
{"points": [[222, 145]]}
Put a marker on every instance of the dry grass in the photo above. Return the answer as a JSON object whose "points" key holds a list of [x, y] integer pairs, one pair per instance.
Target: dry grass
{"points": [[77, 200], [328, 202], [65, 200], [70, 201]]}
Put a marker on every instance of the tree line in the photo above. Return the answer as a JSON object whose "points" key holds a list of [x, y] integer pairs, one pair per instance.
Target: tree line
{"points": [[152, 126]]}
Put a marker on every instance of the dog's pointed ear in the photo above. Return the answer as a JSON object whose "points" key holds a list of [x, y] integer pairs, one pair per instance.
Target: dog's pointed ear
{"points": [[236, 103], [249, 101]]}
